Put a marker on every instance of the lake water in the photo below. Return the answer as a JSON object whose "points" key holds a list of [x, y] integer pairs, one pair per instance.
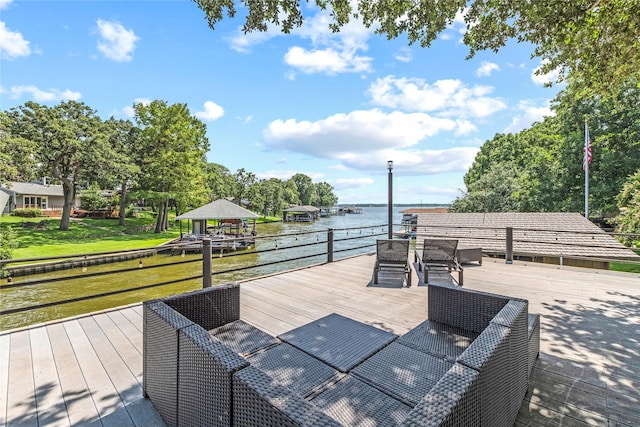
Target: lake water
{"points": [[270, 247]]}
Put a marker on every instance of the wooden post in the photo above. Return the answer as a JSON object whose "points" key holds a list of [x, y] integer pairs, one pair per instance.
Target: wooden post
{"points": [[206, 263], [509, 250], [330, 245]]}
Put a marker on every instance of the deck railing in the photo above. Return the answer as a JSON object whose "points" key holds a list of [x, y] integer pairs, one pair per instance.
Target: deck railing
{"points": [[280, 252], [270, 254]]}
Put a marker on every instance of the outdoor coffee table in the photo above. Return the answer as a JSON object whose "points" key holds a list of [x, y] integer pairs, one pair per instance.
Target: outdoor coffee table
{"points": [[338, 341]]}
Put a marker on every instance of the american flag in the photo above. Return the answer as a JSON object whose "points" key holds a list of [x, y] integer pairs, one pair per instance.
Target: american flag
{"points": [[587, 148]]}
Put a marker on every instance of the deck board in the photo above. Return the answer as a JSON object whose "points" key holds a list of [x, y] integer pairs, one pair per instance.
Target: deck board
{"points": [[88, 370], [4, 375], [48, 391], [21, 402]]}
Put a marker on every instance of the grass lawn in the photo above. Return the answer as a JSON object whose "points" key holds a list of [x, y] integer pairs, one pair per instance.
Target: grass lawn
{"points": [[629, 268], [84, 236], [89, 235]]}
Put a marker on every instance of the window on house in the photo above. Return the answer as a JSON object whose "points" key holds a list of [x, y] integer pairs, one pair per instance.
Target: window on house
{"points": [[35, 202]]}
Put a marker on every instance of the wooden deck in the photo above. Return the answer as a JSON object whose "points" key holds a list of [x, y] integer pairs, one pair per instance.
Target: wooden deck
{"points": [[88, 370]]}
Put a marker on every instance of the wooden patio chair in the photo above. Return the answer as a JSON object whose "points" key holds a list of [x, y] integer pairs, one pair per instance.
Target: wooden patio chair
{"points": [[392, 255], [438, 254]]}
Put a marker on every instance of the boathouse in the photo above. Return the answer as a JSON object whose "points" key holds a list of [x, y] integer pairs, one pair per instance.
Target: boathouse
{"points": [[228, 217], [304, 213], [555, 238]]}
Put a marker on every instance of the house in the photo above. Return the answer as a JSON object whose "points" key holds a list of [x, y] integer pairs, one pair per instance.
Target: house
{"points": [[48, 198], [556, 238]]}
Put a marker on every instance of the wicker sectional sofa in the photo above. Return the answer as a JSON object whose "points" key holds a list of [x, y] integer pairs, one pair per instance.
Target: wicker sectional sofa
{"points": [[467, 365]]}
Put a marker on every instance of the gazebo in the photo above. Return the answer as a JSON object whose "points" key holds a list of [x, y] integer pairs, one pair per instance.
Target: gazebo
{"points": [[227, 215]]}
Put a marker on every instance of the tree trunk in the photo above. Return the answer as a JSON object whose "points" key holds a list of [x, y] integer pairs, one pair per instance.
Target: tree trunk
{"points": [[166, 217], [69, 191], [123, 204], [161, 219], [158, 210]]}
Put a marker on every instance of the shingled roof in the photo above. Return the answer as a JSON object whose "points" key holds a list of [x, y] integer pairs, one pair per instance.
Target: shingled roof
{"points": [[33, 189], [304, 208], [548, 234], [218, 209]]}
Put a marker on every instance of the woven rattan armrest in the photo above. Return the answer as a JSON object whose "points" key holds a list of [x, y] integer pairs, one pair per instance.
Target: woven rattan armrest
{"points": [[210, 307], [258, 402], [454, 401]]}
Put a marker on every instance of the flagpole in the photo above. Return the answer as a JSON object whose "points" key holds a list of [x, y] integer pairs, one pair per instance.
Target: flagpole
{"points": [[585, 162]]}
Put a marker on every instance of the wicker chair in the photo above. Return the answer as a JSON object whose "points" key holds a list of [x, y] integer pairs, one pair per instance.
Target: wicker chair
{"points": [[392, 255], [438, 254], [187, 362]]}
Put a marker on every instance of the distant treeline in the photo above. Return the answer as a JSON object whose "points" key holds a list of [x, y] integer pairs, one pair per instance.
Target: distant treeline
{"points": [[395, 205]]}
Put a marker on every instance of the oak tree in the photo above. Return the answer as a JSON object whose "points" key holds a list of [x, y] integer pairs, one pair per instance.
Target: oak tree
{"points": [[594, 41]]}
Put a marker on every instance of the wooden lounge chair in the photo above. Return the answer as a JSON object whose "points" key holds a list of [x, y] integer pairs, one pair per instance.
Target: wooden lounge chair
{"points": [[438, 254], [392, 255]]}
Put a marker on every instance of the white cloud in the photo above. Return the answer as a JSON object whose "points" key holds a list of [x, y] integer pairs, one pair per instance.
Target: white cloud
{"points": [[329, 61], [360, 131], [212, 111], [404, 55], [444, 97], [5, 4], [243, 43], [12, 44], [531, 113], [39, 95], [329, 53], [244, 120], [351, 183], [116, 43], [414, 162], [129, 111], [542, 79], [486, 68]]}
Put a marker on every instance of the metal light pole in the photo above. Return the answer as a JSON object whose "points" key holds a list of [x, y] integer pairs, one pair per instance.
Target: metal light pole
{"points": [[390, 167]]}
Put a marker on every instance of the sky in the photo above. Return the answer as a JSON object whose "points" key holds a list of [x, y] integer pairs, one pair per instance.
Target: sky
{"points": [[335, 107]]}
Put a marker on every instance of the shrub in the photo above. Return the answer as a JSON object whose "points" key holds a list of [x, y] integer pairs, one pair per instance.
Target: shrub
{"points": [[92, 199], [27, 212], [131, 212], [629, 204], [7, 243]]}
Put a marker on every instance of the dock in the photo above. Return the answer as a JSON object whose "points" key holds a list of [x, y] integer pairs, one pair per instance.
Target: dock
{"points": [[87, 370]]}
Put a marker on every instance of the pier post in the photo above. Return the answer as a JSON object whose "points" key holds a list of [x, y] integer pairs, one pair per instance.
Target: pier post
{"points": [[330, 245], [206, 263], [390, 202], [509, 250]]}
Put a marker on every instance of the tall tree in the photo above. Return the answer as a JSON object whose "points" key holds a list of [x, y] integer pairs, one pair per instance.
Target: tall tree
{"points": [[18, 156], [174, 144], [629, 201], [306, 189], [290, 195], [70, 144], [220, 181], [267, 196], [122, 137], [594, 41], [324, 191], [243, 180], [497, 190]]}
